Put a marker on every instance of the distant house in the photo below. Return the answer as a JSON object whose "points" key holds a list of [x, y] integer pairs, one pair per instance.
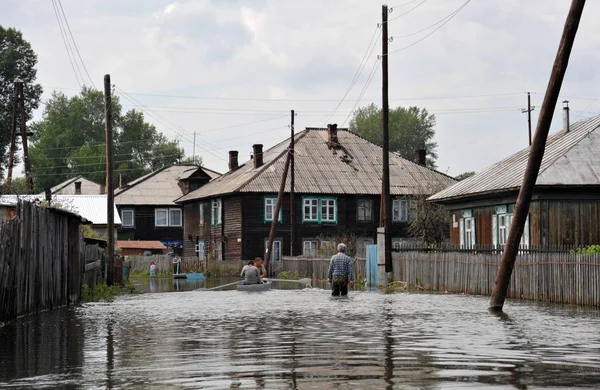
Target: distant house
{"points": [[91, 207], [565, 208], [142, 248], [147, 208], [337, 194], [77, 185]]}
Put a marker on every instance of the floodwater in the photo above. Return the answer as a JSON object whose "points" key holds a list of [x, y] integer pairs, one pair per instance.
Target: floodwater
{"points": [[301, 339]]}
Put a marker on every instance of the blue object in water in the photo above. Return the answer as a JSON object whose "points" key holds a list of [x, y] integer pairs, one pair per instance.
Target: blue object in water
{"points": [[196, 275], [372, 271]]}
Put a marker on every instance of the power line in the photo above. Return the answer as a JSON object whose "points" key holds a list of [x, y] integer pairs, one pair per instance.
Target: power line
{"points": [[362, 92], [75, 43], [60, 27], [407, 12], [448, 18], [361, 67]]}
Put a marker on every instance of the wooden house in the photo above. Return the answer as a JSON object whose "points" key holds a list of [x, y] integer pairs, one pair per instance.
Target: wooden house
{"points": [[147, 208], [336, 197], [565, 207], [77, 185]]}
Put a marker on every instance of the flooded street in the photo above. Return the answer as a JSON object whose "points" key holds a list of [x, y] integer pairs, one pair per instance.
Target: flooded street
{"points": [[300, 339]]}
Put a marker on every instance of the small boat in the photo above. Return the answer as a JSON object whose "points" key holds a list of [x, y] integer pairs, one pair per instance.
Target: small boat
{"points": [[254, 287], [180, 276]]}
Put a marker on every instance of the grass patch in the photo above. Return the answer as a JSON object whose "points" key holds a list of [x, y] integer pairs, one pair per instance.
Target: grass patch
{"points": [[104, 292]]}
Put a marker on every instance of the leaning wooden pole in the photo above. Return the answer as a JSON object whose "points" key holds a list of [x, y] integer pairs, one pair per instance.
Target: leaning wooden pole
{"points": [[535, 156], [110, 192], [269, 247]]}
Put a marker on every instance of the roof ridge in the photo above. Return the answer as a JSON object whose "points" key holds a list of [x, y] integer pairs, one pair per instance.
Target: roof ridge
{"points": [[297, 137], [67, 182], [141, 179]]}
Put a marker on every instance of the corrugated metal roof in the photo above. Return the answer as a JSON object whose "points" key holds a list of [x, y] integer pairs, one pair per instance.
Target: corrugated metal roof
{"points": [[210, 173], [91, 207], [67, 187], [137, 244], [570, 158], [157, 188], [353, 169]]}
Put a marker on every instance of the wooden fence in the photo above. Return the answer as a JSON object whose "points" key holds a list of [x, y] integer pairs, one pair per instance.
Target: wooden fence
{"points": [[315, 268], [164, 264], [94, 260], [40, 263]]}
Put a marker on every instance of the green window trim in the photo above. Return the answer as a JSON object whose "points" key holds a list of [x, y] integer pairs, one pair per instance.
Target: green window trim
{"points": [[265, 220], [319, 217]]}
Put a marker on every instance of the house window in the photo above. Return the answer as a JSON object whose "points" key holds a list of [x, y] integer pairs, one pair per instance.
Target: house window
{"points": [[328, 210], [309, 249], [467, 232], [501, 224], [365, 210], [275, 250], [127, 218], [201, 250], [311, 209], [201, 214], [161, 217], [217, 206], [400, 210], [270, 204], [175, 217], [167, 217]]}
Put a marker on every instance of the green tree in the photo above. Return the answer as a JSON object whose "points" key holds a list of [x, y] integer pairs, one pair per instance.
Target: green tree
{"points": [[70, 140], [17, 63], [464, 175], [410, 129], [18, 185]]}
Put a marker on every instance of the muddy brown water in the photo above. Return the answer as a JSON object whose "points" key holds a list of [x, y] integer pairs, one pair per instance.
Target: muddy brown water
{"points": [[300, 339]]}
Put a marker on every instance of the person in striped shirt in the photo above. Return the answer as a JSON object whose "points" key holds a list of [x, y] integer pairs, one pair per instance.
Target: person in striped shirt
{"points": [[341, 272]]}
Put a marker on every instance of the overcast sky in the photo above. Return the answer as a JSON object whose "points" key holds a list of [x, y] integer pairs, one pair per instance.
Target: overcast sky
{"points": [[231, 71]]}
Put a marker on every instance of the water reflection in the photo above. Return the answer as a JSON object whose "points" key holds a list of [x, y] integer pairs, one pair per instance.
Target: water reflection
{"points": [[300, 339]]}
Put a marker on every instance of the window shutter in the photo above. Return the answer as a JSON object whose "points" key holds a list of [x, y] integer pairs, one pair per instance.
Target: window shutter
{"points": [[495, 230], [462, 232]]}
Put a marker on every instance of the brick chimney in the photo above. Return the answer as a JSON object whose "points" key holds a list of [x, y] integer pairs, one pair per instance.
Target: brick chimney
{"points": [[258, 155], [332, 138], [102, 189], [77, 188], [421, 157], [122, 180], [233, 160], [566, 120]]}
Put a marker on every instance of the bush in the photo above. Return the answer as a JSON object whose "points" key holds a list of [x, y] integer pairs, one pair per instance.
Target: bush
{"points": [[103, 292], [587, 250]]}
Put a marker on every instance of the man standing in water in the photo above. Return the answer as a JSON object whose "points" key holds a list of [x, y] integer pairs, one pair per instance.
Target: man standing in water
{"points": [[341, 272]]}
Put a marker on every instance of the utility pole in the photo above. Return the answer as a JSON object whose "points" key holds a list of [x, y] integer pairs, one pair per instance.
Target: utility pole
{"points": [[194, 149], [26, 160], [385, 108], [528, 111], [535, 156], [292, 215], [110, 192], [269, 248], [13, 138]]}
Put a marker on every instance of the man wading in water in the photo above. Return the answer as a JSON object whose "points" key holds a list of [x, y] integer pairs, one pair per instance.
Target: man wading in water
{"points": [[341, 272]]}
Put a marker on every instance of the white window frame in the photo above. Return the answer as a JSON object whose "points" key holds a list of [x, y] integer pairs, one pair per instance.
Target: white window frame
{"points": [[367, 207], [173, 212], [467, 236], [156, 212], [127, 211], [313, 248], [269, 204], [201, 214], [500, 233], [276, 254], [313, 206], [216, 206], [400, 210], [330, 207]]}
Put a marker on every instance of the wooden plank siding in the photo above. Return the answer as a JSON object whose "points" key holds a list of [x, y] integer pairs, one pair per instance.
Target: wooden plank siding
{"points": [[551, 223], [246, 231]]}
